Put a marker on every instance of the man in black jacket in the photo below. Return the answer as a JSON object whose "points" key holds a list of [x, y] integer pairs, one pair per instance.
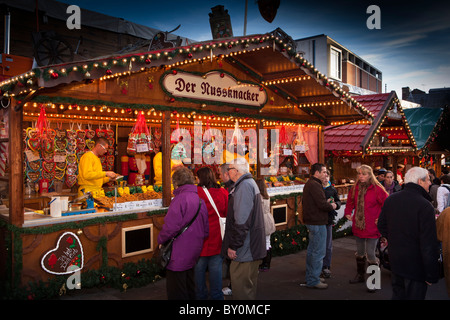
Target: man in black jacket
{"points": [[407, 221], [315, 217]]}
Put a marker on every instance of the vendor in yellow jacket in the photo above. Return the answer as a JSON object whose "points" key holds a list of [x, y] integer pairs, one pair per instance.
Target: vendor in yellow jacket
{"points": [[91, 176]]}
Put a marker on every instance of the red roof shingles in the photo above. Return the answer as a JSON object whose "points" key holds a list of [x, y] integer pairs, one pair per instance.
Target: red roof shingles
{"points": [[350, 137]]}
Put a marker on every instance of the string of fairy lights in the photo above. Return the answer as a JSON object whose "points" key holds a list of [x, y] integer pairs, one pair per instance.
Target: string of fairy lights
{"points": [[125, 66], [127, 117]]}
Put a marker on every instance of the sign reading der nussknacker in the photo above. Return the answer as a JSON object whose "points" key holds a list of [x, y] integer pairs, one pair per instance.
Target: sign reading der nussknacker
{"points": [[217, 86]]}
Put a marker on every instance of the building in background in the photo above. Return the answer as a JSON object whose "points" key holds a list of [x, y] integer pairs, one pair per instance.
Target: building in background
{"points": [[341, 65]]}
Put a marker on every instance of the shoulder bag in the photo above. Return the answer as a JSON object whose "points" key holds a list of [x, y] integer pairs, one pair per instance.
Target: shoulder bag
{"points": [[165, 251], [222, 221]]}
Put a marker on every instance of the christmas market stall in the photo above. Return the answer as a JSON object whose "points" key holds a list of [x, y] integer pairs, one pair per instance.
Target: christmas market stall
{"points": [[194, 105], [430, 128], [387, 142]]}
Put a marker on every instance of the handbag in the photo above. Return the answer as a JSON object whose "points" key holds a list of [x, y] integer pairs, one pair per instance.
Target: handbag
{"points": [[165, 251], [222, 221]]}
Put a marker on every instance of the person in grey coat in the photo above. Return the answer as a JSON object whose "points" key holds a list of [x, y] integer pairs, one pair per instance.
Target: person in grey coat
{"points": [[244, 242]]}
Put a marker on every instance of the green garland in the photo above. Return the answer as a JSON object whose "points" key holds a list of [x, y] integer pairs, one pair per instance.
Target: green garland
{"points": [[295, 239]]}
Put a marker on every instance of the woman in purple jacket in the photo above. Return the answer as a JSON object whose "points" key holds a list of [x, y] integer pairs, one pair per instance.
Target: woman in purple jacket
{"points": [[186, 249]]}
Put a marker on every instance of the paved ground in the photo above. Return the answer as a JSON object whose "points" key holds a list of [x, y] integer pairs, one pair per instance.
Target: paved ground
{"points": [[282, 282]]}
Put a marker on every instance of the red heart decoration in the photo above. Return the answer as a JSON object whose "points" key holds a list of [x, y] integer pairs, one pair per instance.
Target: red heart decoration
{"points": [[81, 134], [100, 132], [67, 257], [90, 134], [81, 144], [109, 133], [51, 134], [49, 166], [70, 180]]}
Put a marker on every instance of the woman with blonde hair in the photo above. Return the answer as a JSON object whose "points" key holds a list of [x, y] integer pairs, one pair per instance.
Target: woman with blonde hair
{"points": [[366, 198]]}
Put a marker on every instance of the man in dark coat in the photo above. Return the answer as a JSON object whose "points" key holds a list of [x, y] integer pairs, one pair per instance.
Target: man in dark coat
{"points": [[315, 217], [244, 242], [407, 221]]}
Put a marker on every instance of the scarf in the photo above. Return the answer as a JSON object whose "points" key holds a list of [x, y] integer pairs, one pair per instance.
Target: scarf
{"points": [[390, 189], [360, 221]]}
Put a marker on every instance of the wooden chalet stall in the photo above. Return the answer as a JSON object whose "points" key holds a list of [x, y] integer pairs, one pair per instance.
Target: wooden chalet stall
{"points": [[387, 142], [257, 82]]}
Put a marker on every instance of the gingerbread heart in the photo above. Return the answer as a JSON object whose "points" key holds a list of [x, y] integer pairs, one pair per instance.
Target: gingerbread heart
{"points": [[34, 144], [70, 180], [34, 165], [61, 144], [81, 134], [71, 134], [80, 154], [48, 145], [59, 174], [67, 257], [60, 133], [71, 158], [90, 144], [109, 133], [90, 134], [81, 144], [49, 166], [33, 176], [111, 141], [100, 132], [71, 147], [47, 156], [47, 175], [60, 165], [32, 133], [51, 134], [72, 169]]}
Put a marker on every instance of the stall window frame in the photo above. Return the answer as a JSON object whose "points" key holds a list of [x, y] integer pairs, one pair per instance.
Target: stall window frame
{"points": [[286, 213], [135, 253]]}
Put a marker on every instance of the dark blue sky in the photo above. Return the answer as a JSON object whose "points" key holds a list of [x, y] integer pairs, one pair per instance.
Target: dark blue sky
{"points": [[412, 48]]}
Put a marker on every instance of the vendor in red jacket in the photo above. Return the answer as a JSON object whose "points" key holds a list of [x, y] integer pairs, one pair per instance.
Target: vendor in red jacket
{"points": [[365, 200]]}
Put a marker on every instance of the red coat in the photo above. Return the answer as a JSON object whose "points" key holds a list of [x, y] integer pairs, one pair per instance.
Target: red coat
{"points": [[213, 243], [373, 202]]}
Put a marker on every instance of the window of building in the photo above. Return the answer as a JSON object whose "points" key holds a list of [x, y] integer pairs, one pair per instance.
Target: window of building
{"points": [[335, 63]]}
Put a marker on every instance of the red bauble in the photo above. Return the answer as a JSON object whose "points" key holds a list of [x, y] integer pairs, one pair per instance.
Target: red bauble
{"points": [[54, 75], [148, 61], [108, 72]]}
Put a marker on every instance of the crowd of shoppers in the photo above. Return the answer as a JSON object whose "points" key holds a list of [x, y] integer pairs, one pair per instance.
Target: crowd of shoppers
{"points": [[403, 216]]}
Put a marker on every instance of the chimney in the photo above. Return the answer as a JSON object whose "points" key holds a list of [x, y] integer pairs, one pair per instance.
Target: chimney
{"points": [[405, 93], [220, 23]]}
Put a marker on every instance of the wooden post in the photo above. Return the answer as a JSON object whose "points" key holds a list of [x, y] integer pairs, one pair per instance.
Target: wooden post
{"points": [[320, 145], [166, 159], [259, 126], [16, 182]]}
